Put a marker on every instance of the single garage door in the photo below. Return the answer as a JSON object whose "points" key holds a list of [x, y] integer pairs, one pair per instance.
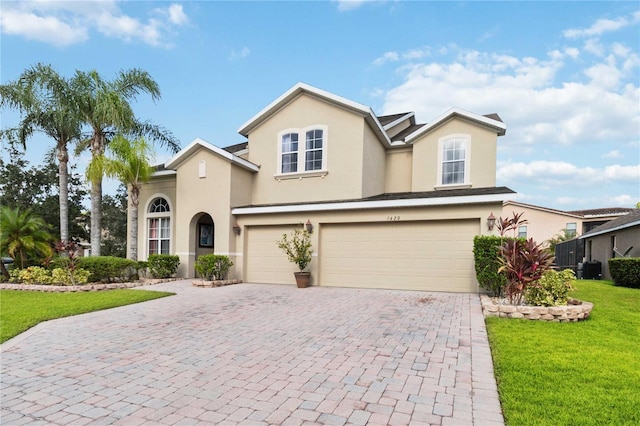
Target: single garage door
{"points": [[430, 255], [266, 263]]}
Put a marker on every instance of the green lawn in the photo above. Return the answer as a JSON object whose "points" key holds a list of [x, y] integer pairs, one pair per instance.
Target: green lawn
{"points": [[585, 373], [21, 310]]}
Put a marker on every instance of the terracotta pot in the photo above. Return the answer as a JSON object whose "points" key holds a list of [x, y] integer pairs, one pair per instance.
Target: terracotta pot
{"points": [[302, 279]]}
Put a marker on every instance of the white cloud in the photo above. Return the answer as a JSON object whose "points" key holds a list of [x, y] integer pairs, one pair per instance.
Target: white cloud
{"points": [[66, 23], [241, 54], [48, 29], [612, 154], [602, 26], [346, 5], [177, 15], [562, 173], [387, 57]]}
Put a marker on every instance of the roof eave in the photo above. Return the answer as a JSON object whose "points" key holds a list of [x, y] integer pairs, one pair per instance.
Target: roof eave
{"points": [[198, 143], [499, 127]]}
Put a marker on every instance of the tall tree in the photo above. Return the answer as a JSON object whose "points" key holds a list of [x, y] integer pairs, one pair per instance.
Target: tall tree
{"points": [[114, 223], [45, 100], [36, 187], [23, 234], [105, 107], [129, 162]]}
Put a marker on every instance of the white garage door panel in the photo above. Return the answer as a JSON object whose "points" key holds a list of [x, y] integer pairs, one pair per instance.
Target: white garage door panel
{"points": [[266, 263], [434, 255]]}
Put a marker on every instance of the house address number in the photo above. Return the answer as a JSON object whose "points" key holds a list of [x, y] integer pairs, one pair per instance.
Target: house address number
{"points": [[391, 218]]}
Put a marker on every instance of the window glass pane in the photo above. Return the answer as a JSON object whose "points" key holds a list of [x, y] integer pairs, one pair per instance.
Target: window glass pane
{"points": [[289, 163], [164, 247], [153, 247], [159, 205], [313, 145]]}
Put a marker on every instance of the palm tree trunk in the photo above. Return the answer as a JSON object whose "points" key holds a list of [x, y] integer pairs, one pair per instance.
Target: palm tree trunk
{"points": [[63, 173], [96, 216], [133, 249]]}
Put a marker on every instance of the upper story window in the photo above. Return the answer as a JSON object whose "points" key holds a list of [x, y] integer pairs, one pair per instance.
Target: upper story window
{"points": [[159, 205], [302, 150], [453, 167], [571, 229]]}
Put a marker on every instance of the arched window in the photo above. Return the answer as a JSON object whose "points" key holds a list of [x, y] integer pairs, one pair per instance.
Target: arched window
{"points": [[159, 227]]}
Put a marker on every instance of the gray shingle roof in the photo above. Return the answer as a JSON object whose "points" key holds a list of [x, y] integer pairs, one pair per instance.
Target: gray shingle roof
{"points": [[622, 222]]}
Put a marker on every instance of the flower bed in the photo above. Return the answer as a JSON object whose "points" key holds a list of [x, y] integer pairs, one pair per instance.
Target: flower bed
{"points": [[576, 310], [83, 287]]}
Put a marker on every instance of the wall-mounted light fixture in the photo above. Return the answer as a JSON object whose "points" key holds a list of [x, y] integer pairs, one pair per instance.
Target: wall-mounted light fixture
{"points": [[309, 226], [236, 229], [491, 221]]}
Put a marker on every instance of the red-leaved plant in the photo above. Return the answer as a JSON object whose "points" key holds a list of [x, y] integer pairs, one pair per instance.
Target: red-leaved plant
{"points": [[522, 261]]}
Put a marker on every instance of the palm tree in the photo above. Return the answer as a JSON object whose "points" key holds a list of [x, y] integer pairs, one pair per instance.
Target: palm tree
{"points": [[22, 233], [44, 98], [130, 164], [105, 107]]}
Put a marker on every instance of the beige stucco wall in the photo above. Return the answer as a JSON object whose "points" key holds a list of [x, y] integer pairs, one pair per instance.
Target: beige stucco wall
{"points": [[482, 167], [373, 164], [542, 225], [344, 147], [398, 166], [164, 186]]}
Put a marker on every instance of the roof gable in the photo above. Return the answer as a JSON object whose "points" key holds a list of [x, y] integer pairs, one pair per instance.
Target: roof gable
{"points": [[302, 88], [491, 121], [198, 144]]}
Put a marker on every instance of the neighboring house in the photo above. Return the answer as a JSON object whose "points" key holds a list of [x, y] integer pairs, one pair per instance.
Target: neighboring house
{"points": [[545, 223], [392, 203], [617, 238]]}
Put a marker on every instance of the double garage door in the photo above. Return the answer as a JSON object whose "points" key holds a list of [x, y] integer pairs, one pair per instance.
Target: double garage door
{"points": [[426, 255]]}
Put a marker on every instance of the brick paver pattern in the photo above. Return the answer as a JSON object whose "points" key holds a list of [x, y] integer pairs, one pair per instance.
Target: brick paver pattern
{"points": [[258, 354]]}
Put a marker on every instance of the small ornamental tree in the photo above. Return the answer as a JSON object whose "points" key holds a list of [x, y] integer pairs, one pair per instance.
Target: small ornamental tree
{"points": [[297, 247], [522, 261]]}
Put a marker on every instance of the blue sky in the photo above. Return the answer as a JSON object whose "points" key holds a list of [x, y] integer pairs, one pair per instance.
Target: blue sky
{"points": [[564, 76]]}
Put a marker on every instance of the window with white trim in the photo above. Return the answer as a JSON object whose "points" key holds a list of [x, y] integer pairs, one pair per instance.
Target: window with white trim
{"points": [[296, 156], [571, 229], [159, 227], [522, 231], [453, 166]]}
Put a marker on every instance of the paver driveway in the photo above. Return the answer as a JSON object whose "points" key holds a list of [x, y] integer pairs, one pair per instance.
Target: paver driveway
{"points": [[258, 354]]}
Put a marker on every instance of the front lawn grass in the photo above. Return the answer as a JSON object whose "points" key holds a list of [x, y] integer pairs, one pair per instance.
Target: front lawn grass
{"points": [[585, 373], [21, 310]]}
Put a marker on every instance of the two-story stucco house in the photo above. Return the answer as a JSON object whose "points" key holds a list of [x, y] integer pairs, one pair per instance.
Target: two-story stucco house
{"points": [[392, 203]]}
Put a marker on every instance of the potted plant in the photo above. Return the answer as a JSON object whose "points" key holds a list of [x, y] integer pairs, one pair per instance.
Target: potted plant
{"points": [[297, 247]]}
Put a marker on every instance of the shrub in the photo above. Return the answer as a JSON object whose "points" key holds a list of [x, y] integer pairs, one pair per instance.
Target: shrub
{"points": [[486, 251], [297, 247], [142, 268], [108, 268], [31, 275], [552, 289], [66, 277], [213, 266], [625, 271], [522, 262], [163, 265]]}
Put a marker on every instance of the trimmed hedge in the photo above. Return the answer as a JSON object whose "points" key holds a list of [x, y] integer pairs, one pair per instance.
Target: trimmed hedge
{"points": [[486, 251], [108, 268], [625, 271], [163, 265], [213, 266]]}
